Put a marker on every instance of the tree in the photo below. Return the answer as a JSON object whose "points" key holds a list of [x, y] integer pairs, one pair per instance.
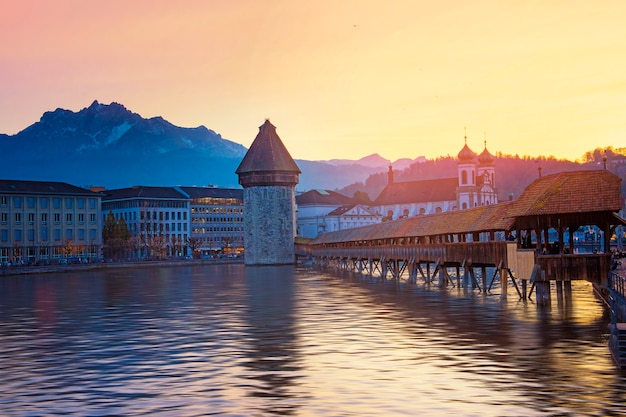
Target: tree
{"points": [[115, 237], [362, 197], [194, 244]]}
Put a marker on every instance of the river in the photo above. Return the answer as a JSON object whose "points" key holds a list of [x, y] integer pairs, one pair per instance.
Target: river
{"points": [[230, 340]]}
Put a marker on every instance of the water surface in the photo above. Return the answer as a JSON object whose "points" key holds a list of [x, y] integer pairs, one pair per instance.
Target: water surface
{"points": [[231, 340]]}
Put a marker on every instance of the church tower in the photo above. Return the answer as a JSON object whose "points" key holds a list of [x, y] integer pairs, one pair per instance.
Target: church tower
{"points": [[466, 195], [486, 174], [268, 176]]}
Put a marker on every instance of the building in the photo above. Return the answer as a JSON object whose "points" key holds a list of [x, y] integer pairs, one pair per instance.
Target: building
{"points": [[157, 217], [216, 220], [43, 221], [268, 175], [320, 211], [474, 186]]}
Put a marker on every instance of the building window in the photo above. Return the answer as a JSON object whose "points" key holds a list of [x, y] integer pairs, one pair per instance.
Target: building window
{"points": [[44, 218], [4, 235], [18, 235], [80, 203], [81, 218], [57, 235], [68, 203], [57, 218], [4, 217], [3, 200], [92, 234], [92, 218], [92, 203], [44, 233], [43, 202], [81, 234], [56, 203], [31, 218], [68, 218], [69, 234], [18, 218], [17, 202], [31, 235], [31, 202]]}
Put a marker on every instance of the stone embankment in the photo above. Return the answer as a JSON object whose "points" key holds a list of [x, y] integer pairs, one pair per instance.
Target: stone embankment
{"points": [[23, 270]]}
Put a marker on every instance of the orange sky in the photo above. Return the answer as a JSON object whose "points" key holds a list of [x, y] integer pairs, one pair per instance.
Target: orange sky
{"points": [[339, 79]]}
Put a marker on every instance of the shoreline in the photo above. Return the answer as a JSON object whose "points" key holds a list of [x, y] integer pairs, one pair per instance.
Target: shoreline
{"points": [[30, 270]]}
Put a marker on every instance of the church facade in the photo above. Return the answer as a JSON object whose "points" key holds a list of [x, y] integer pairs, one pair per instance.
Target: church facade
{"points": [[473, 186]]}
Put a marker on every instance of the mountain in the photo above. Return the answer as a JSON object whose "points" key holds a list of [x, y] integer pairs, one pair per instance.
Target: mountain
{"points": [[376, 161], [106, 144]]}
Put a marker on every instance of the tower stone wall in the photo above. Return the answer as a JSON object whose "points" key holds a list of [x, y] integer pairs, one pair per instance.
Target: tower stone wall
{"points": [[269, 225]]}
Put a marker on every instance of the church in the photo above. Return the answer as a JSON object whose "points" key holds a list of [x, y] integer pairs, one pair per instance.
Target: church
{"points": [[474, 186]]}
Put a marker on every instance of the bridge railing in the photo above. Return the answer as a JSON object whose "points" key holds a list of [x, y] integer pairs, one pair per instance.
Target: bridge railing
{"points": [[487, 253], [617, 284]]}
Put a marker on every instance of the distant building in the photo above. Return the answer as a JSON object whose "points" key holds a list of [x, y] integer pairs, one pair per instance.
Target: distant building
{"points": [[175, 221], [157, 217], [320, 211], [44, 221], [474, 186], [216, 219]]}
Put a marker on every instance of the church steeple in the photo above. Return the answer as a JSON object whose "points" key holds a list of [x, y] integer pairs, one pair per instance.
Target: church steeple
{"points": [[390, 175]]}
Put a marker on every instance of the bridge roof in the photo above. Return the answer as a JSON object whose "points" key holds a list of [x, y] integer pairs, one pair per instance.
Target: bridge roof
{"points": [[479, 219], [570, 192]]}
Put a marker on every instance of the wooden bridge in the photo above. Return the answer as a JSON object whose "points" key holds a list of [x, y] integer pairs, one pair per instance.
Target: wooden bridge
{"points": [[510, 237]]}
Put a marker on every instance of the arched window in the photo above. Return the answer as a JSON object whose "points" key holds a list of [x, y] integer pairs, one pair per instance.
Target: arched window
{"points": [[463, 177]]}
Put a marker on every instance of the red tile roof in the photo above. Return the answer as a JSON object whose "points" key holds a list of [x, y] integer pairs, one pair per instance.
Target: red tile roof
{"points": [[479, 219], [570, 192], [442, 189]]}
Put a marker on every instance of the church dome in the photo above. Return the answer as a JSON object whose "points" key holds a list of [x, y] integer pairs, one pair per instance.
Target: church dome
{"points": [[466, 154], [485, 157]]}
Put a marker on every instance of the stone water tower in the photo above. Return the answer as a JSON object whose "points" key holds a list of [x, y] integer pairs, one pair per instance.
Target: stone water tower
{"points": [[268, 176]]}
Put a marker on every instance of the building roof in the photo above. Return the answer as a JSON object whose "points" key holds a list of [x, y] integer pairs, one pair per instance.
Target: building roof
{"points": [[144, 192], [42, 187], [570, 192], [356, 210], [478, 219], [267, 153], [323, 197], [423, 191], [485, 157], [213, 192], [466, 154]]}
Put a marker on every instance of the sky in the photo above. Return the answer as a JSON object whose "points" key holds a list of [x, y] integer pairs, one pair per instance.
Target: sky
{"points": [[338, 78]]}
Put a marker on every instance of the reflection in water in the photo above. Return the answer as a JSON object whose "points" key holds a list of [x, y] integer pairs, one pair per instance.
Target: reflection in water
{"points": [[284, 341]]}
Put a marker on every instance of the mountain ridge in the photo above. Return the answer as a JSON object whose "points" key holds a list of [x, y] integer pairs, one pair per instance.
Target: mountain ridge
{"points": [[91, 145]]}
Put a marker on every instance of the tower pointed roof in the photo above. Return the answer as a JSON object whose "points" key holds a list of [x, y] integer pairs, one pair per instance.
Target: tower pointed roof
{"points": [[267, 162]]}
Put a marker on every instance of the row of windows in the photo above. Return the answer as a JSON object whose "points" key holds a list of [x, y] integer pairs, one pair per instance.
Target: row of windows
{"points": [[147, 215], [231, 239], [217, 220], [18, 234], [44, 202], [118, 205], [43, 217], [202, 230], [162, 227], [216, 210]]}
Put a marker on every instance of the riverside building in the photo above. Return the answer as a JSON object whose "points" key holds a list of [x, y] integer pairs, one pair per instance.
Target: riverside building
{"points": [[216, 220], [42, 222], [178, 221]]}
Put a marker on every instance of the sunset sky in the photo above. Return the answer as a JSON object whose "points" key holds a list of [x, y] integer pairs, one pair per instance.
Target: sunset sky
{"points": [[339, 79]]}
